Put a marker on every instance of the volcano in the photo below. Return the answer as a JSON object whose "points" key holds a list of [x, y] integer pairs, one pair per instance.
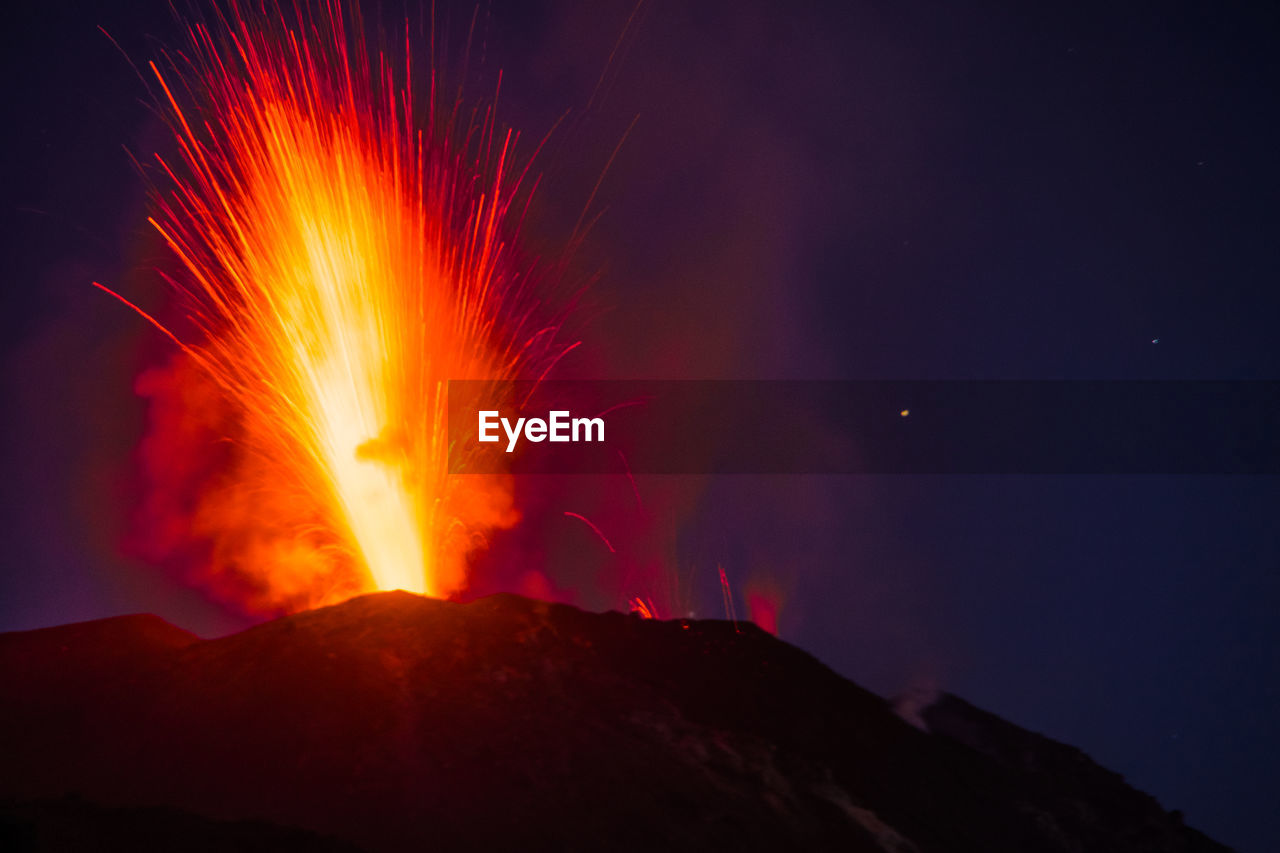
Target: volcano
{"points": [[396, 722]]}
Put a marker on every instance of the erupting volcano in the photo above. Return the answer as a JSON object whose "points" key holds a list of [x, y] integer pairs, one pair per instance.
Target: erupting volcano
{"points": [[344, 241], [344, 254]]}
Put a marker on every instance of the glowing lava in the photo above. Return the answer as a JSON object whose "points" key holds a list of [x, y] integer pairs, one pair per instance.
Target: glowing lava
{"points": [[344, 261]]}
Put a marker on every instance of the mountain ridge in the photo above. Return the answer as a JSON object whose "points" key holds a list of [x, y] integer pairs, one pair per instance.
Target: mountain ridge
{"points": [[392, 720]]}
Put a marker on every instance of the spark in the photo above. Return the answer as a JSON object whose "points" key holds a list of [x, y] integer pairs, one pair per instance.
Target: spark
{"points": [[643, 608], [345, 257], [144, 315], [595, 529], [730, 612], [635, 490]]}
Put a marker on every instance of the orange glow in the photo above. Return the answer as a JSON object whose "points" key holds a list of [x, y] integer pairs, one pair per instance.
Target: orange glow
{"points": [[343, 261], [643, 608]]}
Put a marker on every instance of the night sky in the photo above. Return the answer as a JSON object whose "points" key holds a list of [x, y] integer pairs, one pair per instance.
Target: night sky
{"points": [[869, 191]]}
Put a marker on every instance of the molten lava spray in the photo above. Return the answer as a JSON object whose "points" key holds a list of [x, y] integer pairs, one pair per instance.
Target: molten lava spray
{"points": [[343, 261]]}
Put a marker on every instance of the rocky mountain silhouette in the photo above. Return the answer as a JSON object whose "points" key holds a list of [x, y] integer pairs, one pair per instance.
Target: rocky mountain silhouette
{"points": [[395, 722]]}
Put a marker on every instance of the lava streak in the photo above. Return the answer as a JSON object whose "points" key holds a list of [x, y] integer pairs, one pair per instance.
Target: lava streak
{"points": [[344, 260]]}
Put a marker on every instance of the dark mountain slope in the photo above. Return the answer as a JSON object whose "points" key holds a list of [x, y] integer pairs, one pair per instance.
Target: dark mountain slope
{"points": [[397, 722]]}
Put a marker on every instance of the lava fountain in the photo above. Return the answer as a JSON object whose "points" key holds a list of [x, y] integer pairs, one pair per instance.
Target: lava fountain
{"points": [[343, 258]]}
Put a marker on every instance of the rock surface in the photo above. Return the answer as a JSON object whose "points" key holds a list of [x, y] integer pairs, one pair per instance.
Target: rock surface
{"points": [[394, 722]]}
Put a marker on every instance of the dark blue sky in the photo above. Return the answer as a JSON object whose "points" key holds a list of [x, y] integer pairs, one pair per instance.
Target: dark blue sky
{"points": [[886, 191]]}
